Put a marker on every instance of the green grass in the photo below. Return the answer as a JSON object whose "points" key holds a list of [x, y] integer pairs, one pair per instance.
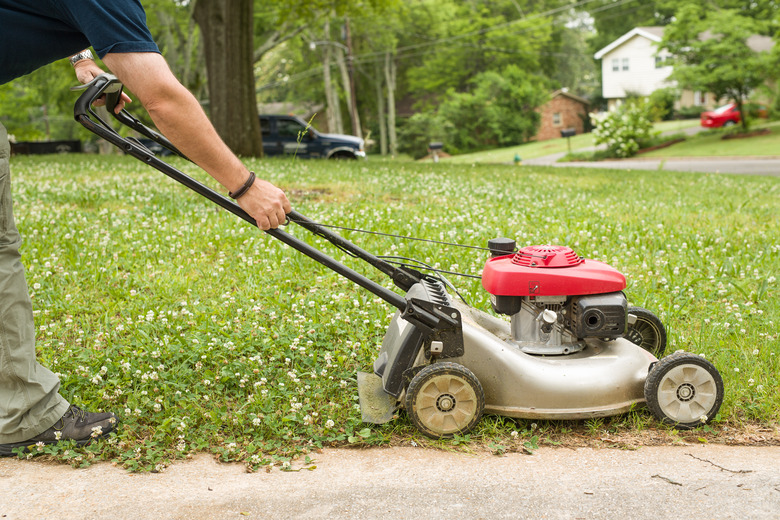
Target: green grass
{"points": [[676, 125], [525, 151], [711, 144], [552, 146], [205, 334]]}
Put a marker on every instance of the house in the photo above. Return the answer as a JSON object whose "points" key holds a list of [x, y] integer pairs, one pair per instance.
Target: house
{"points": [[564, 111], [634, 64]]}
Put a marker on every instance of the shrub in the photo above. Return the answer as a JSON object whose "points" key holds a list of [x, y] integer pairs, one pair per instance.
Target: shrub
{"points": [[661, 103], [692, 112], [417, 132], [623, 130]]}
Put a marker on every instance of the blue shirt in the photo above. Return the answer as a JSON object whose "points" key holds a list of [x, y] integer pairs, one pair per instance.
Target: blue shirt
{"points": [[34, 33]]}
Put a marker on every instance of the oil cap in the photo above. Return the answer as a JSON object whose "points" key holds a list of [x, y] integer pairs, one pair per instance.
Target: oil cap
{"points": [[501, 246]]}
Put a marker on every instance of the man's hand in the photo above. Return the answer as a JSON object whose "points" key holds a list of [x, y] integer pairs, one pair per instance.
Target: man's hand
{"points": [[86, 71], [267, 204]]}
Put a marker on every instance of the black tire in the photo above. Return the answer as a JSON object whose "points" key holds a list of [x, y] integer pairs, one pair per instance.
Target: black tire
{"points": [[444, 399], [729, 123], [343, 156], [647, 331], [684, 390]]}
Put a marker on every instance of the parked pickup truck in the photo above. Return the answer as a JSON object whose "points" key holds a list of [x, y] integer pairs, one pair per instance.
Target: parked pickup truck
{"points": [[289, 135]]}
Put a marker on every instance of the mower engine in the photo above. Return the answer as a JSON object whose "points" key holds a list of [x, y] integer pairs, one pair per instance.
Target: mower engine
{"points": [[555, 298]]}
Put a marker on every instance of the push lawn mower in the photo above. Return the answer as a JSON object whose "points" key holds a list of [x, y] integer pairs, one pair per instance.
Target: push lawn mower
{"points": [[572, 348]]}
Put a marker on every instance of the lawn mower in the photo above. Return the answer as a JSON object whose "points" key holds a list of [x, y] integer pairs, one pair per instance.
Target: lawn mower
{"points": [[571, 347]]}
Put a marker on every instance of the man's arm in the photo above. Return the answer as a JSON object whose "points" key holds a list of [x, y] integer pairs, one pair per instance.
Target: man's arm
{"points": [[179, 116]]}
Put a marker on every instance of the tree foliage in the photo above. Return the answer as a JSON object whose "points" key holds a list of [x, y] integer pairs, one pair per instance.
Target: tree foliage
{"points": [[712, 54], [500, 110]]}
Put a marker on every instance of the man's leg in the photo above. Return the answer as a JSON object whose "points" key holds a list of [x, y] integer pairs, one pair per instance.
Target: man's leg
{"points": [[29, 398]]}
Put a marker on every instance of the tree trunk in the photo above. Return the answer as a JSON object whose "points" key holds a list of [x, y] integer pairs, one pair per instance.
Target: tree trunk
{"points": [[342, 64], [227, 30], [380, 111], [353, 110], [335, 123], [390, 82]]}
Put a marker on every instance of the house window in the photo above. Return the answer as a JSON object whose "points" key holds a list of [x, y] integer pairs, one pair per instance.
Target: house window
{"points": [[659, 62], [557, 119], [615, 65], [625, 64], [698, 98]]}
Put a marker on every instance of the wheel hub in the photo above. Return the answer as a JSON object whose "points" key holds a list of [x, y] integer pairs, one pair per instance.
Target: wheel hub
{"points": [[445, 402], [686, 392]]}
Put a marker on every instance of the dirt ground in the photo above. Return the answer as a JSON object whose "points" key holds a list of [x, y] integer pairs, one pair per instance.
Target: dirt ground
{"points": [[692, 481]]}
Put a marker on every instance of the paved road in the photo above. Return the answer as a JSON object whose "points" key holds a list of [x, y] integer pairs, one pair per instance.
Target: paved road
{"points": [[738, 165], [746, 166], [653, 483]]}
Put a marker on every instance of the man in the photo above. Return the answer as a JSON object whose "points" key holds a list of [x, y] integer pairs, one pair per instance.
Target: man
{"points": [[34, 33]]}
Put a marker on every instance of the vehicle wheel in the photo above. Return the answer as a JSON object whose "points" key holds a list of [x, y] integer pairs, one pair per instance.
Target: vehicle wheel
{"points": [[444, 399], [343, 155], [729, 123], [647, 331], [684, 390]]}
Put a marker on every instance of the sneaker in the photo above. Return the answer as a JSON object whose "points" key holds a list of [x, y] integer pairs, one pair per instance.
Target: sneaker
{"points": [[75, 425]]}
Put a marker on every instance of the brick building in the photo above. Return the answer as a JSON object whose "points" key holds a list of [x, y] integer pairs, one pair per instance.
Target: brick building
{"points": [[563, 111]]}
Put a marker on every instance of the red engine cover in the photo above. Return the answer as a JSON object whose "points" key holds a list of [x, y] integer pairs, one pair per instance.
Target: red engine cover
{"points": [[549, 271]]}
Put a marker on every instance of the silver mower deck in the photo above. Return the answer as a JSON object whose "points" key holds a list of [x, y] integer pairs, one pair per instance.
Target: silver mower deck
{"points": [[605, 378]]}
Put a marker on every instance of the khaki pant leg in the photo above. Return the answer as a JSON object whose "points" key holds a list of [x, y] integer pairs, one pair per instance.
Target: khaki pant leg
{"points": [[29, 398]]}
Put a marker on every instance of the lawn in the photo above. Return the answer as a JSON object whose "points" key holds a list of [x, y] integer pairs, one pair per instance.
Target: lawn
{"points": [[524, 151], [711, 144], [554, 146], [205, 334]]}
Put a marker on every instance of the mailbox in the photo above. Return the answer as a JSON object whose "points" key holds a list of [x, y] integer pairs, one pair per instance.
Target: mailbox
{"points": [[569, 132]]}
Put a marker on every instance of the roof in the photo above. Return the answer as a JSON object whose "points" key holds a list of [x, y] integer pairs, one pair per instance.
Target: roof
{"points": [[756, 42], [654, 34], [565, 92]]}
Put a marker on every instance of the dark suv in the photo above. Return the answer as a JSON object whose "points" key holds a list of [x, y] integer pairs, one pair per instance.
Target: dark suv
{"points": [[288, 135]]}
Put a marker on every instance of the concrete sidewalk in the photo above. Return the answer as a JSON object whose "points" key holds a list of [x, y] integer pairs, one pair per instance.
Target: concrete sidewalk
{"points": [[691, 482]]}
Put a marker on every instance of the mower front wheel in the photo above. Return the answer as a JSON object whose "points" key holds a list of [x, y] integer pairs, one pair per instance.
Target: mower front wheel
{"points": [[684, 390], [444, 399]]}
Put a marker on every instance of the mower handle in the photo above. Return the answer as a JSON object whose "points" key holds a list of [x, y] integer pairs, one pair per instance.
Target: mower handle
{"points": [[109, 86]]}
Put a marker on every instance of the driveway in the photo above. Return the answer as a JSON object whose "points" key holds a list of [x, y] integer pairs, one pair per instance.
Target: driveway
{"points": [[650, 483]]}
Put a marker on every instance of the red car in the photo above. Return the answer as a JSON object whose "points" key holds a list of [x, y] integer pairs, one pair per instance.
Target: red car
{"points": [[726, 115]]}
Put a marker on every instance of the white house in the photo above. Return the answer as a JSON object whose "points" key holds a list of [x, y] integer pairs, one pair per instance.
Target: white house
{"points": [[633, 64]]}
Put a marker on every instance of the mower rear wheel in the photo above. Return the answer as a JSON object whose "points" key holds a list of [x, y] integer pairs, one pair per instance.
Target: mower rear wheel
{"points": [[444, 399], [684, 390], [647, 331]]}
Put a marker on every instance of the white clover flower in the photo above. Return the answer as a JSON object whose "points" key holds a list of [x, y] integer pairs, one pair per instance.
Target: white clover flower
{"points": [[97, 431], [329, 424]]}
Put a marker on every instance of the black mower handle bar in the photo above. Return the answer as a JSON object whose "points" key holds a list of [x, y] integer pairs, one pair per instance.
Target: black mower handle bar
{"points": [[109, 87]]}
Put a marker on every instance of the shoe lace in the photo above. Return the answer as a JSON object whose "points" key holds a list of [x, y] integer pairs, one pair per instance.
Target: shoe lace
{"points": [[77, 413]]}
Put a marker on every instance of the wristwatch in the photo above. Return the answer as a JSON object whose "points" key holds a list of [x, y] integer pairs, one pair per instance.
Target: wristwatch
{"points": [[83, 55]]}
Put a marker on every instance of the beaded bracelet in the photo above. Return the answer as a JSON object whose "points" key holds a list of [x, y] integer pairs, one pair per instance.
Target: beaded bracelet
{"points": [[243, 189]]}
